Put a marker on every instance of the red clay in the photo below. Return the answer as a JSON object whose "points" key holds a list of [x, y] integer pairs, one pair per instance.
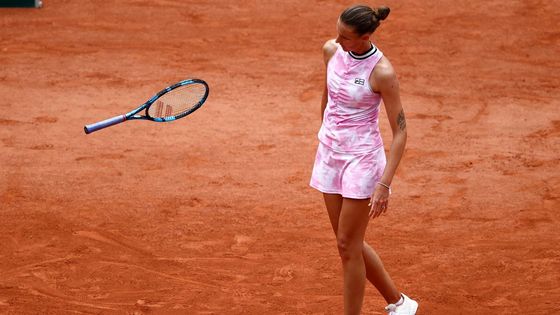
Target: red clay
{"points": [[212, 214]]}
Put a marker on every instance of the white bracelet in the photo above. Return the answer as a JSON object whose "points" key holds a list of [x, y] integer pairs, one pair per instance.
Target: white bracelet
{"points": [[386, 186]]}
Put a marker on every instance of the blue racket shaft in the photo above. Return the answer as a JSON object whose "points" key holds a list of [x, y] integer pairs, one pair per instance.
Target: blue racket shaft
{"points": [[104, 124]]}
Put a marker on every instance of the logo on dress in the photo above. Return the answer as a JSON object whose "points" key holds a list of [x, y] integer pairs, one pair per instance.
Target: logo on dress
{"points": [[359, 81]]}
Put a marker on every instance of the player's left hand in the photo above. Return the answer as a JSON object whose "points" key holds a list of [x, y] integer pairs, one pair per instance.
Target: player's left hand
{"points": [[379, 201]]}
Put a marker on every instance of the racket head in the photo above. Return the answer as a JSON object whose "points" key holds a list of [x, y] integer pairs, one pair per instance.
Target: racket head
{"points": [[177, 101]]}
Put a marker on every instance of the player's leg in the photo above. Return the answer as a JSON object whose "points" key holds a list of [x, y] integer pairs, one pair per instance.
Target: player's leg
{"points": [[333, 202], [378, 276], [352, 224], [375, 271]]}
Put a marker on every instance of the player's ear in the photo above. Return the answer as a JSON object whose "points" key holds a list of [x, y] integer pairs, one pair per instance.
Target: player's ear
{"points": [[366, 36]]}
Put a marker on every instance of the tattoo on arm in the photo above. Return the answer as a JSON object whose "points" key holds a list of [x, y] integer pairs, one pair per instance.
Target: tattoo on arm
{"points": [[401, 121]]}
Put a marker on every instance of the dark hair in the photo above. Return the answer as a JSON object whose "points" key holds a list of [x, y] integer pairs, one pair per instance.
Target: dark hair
{"points": [[363, 18]]}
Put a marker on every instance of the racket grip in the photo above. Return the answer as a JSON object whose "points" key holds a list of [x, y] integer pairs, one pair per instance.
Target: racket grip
{"points": [[104, 124]]}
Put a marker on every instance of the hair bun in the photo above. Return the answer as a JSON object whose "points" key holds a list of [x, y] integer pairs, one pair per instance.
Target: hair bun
{"points": [[381, 13]]}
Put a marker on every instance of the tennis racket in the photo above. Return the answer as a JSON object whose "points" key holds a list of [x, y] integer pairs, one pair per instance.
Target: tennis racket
{"points": [[173, 102]]}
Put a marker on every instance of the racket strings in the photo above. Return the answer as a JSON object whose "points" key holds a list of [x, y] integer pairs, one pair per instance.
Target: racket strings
{"points": [[179, 101]]}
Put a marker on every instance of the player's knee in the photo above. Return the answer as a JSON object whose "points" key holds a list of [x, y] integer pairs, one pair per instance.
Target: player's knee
{"points": [[348, 249]]}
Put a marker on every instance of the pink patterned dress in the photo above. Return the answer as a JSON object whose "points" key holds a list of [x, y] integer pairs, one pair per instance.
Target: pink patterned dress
{"points": [[350, 158]]}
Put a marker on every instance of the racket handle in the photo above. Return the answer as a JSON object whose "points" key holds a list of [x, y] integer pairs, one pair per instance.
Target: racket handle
{"points": [[104, 124]]}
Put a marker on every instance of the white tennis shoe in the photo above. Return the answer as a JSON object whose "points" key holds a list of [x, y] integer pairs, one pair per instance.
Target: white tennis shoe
{"points": [[406, 306]]}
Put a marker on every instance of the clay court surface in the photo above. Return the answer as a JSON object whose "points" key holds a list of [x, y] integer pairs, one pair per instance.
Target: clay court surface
{"points": [[212, 214]]}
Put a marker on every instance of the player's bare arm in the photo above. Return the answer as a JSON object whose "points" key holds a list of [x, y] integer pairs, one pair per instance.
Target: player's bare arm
{"points": [[329, 48], [384, 81]]}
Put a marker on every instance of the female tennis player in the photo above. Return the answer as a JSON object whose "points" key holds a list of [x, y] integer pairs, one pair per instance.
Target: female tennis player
{"points": [[351, 169]]}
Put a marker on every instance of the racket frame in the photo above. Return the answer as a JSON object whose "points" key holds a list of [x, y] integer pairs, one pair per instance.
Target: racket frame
{"points": [[132, 115]]}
